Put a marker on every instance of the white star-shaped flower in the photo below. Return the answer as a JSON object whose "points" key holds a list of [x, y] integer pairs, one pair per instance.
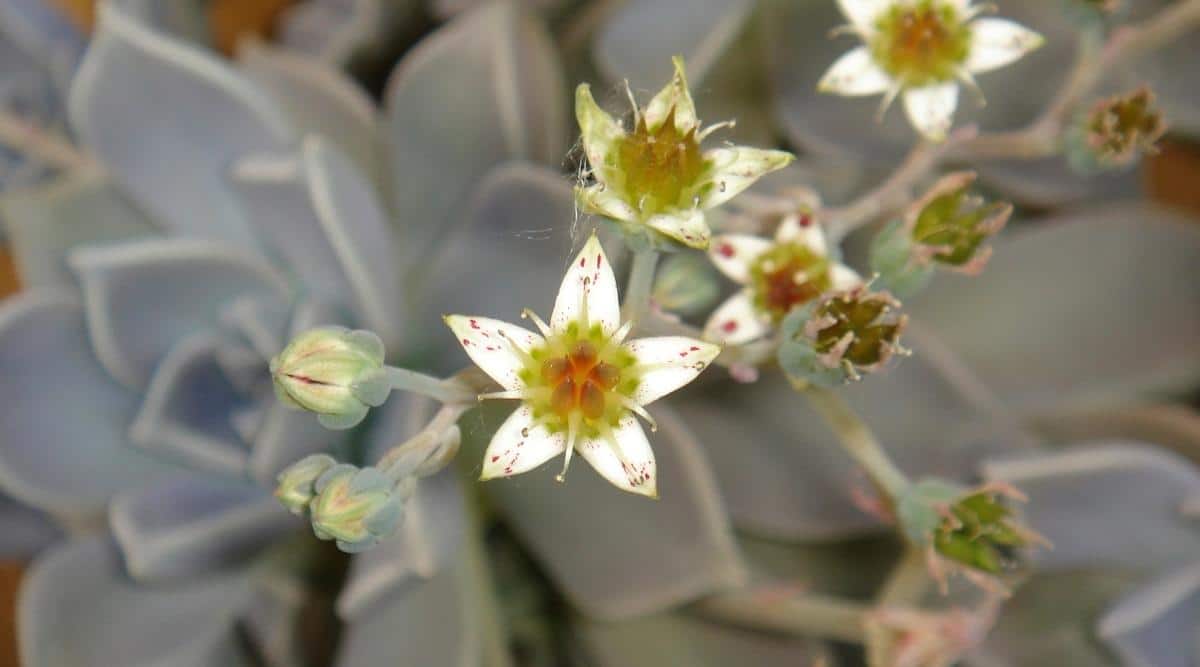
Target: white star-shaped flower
{"points": [[581, 385], [923, 49], [778, 275], [655, 175]]}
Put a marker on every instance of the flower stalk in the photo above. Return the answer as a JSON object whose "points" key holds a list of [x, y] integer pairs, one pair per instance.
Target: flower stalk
{"points": [[449, 390], [640, 285], [859, 442]]}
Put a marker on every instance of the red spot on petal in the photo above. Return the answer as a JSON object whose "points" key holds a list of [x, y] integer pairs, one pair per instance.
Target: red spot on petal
{"points": [[726, 250], [805, 220], [466, 341], [495, 458], [474, 324], [729, 326], [582, 262], [694, 348], [597, 261]]}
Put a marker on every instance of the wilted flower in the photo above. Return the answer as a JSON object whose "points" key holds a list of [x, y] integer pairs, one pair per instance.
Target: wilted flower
{"points": [[297, 482], [579, 383], [655, 179], [841, 336], [334, 372], [923, 49], [1117, 131], [779, 275], [945, 228], [355, 506]]}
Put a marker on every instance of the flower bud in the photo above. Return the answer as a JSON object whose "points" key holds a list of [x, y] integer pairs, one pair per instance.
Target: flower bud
{"points": [[334, 372], [841, 336], [355, 506], [1116, 132], [297, 482], [686, 285], [945, 228], [969, 530]]}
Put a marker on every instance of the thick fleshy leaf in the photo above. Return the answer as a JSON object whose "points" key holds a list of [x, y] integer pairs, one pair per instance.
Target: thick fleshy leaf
{"points": [[64, 447], [792, 480], [1126, 271], [1156, 625], [318, 99], [24, 531], [432, 531], [507, 101], [196, 524], [680, 639], [321, 214], [640, 38], [137, 87], [78, 608], [341, 31], [143, 296], [1100, 505], [589, 283], [44, 224], [1175, 427], [188, 410], [183, 19], [799, 50], [1050, 621], [615, 554], [439, 622]]}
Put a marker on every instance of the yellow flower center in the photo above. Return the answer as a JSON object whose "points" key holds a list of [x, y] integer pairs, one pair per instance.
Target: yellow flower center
{"points": [[583, 375], [922, 44], [659, 170], [786, 276]]}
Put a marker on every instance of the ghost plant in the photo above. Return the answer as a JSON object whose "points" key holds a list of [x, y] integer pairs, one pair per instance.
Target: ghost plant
{"points": [[269, 375]]}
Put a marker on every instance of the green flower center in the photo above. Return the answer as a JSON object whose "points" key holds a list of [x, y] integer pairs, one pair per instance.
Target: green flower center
{"points": [[872, 333], [580, 375], [786, 276], [922, 44], [659, 170]]}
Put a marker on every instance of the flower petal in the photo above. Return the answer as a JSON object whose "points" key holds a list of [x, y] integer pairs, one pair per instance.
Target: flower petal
{"points": [[998, 42], [805, 231], [667, 363], [931, 109], [634, 570], [626, 461], [736, 321], [674, 96], [187, 412], [688, 227], [44, 224], [734, 254], [597, 129], [520, 445], [1136, 495], [589, 282], [1155, 625], [855, 74], [600, 199], [195, 524], [67, 466], [842, 277], [200, 117], [505, 103], [490, 344], [78, 601], [143, 296], [736, 168]]}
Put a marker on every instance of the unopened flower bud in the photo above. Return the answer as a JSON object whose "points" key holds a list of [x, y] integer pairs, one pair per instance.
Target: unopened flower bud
{"points": [[334, 372], [686, 285], [297, 482], [841, 336], [355, 506], [946, 228], [968, 530], [1116, 132]]}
